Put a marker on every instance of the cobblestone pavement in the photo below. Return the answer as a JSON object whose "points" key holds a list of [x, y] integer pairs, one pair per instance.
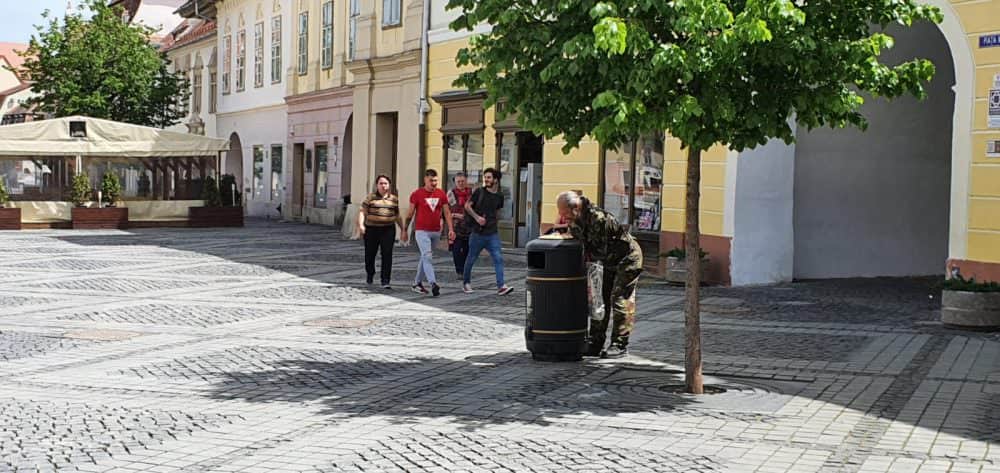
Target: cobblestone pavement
{"points": [[261, 350]]}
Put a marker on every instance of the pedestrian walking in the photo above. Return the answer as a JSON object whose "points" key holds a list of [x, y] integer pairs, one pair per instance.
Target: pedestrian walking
{"points": [[608, 242], [482, 208], [377, 223], [427, 205], [457, 197]]}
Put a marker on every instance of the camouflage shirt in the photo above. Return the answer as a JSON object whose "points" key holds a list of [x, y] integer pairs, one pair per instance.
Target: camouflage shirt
{"points": [[604, 239]]}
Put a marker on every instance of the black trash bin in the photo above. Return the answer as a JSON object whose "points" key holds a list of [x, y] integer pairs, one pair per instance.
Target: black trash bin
{"points": [[557, 311]]}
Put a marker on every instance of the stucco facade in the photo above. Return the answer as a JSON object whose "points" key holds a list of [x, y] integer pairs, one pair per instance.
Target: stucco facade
{"points": [[194, 53]]}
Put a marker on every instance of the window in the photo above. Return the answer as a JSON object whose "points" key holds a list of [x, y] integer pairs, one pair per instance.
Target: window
{"points": [[352, 29], [258, 55], [633, 183], [277, 171], [464, 153], [213, 89], [303, 43], [391, 12], [227, 63], [508, 146], [241, 60], [276, 50], [196, 88], [327, 50], [321, 175], [258, 172]]}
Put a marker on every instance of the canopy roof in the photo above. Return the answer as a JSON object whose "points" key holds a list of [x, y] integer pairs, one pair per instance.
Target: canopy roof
{"points": [[104, 138]]}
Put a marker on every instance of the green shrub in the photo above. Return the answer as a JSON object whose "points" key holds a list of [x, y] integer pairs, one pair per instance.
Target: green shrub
{"points": [[226, 184], [958, 283], [4, 198], [80, 193], [680, 253], [210, 193], [111, 188]]}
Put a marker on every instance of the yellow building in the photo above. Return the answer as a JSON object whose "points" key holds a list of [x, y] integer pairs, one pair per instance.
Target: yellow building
{"points": [[919, 192]]}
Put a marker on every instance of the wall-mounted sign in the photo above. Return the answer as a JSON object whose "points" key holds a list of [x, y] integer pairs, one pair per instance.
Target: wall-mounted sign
{"points": [[993, 148], [993, 98], [989, 41]]}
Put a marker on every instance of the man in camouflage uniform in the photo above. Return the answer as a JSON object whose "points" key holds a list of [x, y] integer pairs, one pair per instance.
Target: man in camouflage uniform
{"points": [[608, 242]]}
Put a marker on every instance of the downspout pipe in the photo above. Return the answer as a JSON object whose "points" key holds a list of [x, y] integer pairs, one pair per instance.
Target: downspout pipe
{"points": [[424, 106]]}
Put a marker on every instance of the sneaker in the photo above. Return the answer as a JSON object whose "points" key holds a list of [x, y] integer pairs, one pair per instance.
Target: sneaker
{"points": [[467, 288], [435, 290], [504, 290], [419, 288], [615, 351], [386, 286], [370, 280]]}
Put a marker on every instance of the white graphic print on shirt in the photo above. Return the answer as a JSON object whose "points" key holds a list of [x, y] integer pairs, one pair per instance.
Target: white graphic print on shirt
{"points": [[432, 202]]}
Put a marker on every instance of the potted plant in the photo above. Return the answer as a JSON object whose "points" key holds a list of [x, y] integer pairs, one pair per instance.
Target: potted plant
{"points": [[228, 193], [213, 214], [677, 268], [111, 188], [968, 303], [10, 216], [94, 218]]}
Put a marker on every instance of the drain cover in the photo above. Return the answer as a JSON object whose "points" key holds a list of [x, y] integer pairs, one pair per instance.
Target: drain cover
{"points": [[339, 323]]}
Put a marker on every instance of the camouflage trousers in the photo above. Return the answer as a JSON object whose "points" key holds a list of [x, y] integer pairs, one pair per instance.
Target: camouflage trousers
{"points": [[619, 301]]}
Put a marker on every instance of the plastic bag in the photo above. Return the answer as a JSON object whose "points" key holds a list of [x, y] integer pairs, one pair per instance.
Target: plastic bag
{"points": [[595, 290]]}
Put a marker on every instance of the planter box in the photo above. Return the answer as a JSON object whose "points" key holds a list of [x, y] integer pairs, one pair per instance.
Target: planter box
{"points": [[677, 270], [99, 218], [976, 310], [10, 218], [215, 217]]}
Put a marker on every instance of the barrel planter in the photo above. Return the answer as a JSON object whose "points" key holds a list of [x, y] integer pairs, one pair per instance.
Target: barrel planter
{"points": [[10, 218], [85, 218], [203, 217], [677, 270], [974, 310]]}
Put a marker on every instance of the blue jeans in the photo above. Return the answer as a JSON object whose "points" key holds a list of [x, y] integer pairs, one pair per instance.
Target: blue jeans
{"points": [[425, 267], [477, 243]]}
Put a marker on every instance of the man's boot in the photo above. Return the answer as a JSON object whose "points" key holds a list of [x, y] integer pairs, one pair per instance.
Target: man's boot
{"points": [[616, 350]]}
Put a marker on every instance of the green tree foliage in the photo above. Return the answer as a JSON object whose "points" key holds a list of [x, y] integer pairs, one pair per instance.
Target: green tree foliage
{"points": [[226, 185], [4, 198], [210, 193], [111, 188], [99, 66], [730, 72], [81, 190]]}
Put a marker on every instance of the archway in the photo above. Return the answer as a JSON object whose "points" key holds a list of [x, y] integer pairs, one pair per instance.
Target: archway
{"points": [[346, 159], [234, 159], [878, 203]]}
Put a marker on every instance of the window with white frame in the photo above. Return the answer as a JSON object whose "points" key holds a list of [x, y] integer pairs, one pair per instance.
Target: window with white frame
{"points": [[241, 60], [276, 49], [303, 43], [327, 50], [196, 88], [392, 12], [352, 29], [227, 63], [258, 55]]}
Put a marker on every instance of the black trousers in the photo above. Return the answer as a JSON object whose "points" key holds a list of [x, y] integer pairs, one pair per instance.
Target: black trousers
{"points": [[377, 238], [459, 252]]}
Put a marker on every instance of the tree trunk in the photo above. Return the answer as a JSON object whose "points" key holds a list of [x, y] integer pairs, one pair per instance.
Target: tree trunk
{"points": [[692, 254]]}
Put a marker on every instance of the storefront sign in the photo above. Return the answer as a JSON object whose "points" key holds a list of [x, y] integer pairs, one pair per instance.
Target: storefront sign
{"points": [[993, 149], [989, 41]]}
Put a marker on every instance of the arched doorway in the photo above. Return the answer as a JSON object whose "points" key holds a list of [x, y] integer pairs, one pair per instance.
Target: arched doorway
{"points": [[234, 159], [878, 203], [346, 159]]}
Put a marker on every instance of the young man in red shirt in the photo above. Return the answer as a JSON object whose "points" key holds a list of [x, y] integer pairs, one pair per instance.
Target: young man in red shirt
{"points": [[428, 204]]}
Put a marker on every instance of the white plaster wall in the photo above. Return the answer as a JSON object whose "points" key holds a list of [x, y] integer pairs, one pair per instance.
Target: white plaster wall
{"points": [[762, 248], [204, 50], [270, 94], [877, 203], [261, 127]]}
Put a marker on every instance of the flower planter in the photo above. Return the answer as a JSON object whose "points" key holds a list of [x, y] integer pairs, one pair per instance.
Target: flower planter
{"points": [[677, 270], [975, 310], [202, 217], [85, 218], [10, 218]]}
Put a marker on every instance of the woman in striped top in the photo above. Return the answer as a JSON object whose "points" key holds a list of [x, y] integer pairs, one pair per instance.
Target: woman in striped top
{"points": [[377, 223]]}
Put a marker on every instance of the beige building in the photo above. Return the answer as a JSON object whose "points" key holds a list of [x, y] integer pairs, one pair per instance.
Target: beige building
{"points": [[191, 48]]}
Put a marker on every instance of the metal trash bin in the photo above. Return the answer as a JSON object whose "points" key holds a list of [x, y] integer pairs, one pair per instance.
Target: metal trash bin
{"points": [[557, 318]]}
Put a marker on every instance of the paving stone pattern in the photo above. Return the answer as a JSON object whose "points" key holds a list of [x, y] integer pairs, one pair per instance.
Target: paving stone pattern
{"points": [[262, 350]]}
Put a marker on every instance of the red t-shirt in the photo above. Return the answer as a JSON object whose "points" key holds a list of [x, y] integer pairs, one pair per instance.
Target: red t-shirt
{"points": [[429, 207]]}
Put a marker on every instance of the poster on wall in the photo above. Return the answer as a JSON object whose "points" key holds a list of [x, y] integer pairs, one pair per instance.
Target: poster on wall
{"points": [[993, 117]]}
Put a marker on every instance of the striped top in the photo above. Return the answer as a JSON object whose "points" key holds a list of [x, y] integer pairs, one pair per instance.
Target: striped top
{"points": [[380, 211]]}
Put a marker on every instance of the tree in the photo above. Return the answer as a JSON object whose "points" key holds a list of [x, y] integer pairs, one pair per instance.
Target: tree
{"points": [[80, 192], [111, 187], [210, 193], [4, 197], [103, 67], [730, 72]]}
